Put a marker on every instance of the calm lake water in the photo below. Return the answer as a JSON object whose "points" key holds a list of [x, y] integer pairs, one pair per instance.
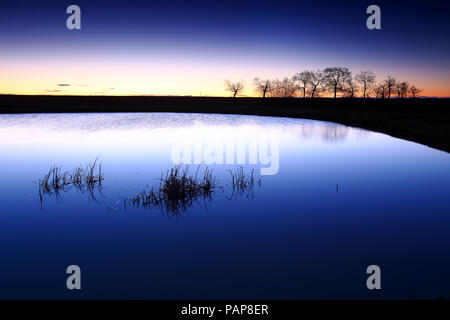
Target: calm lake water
{"points": [[328, 201]]}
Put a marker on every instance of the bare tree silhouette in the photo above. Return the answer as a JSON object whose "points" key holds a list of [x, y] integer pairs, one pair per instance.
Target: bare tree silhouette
{"points": [[350, 87], [332, 80], [284, 88], [402, 89], [366, 79], [335, 78], [380, 90], [262, 86], [304, 79], [316, 80], [234, 87], [390, 85], [275, 86], [415, 91], [288, 87]]}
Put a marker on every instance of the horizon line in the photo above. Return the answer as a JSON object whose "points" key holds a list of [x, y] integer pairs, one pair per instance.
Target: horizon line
{"points": [[207, 96]]}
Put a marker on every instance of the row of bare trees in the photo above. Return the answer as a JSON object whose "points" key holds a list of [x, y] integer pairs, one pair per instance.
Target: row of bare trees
{"points": [[332, 81]]}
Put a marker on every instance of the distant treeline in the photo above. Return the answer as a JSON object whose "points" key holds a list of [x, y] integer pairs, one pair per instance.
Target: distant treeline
{"points": [[333, 81]]}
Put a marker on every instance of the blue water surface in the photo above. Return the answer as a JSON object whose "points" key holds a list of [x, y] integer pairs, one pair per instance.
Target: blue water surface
{"points": [[338, 199]]}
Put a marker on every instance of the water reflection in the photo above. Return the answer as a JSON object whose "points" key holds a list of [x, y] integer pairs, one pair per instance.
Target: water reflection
{"points": [[32, 127], [242, 184], [177, 192], [367, 199], [335, 134], [88, 179]]}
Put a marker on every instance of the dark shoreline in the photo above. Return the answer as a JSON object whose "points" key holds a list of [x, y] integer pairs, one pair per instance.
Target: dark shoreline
{"points": [[425, 120]]}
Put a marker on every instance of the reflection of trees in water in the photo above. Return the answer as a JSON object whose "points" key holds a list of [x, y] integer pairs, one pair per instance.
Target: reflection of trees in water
{"points": [[334, 133], [360, 133], [327, 132]]}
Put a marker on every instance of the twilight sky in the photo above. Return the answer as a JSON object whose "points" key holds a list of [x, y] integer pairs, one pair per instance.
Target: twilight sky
{"points": [[190, 47]]}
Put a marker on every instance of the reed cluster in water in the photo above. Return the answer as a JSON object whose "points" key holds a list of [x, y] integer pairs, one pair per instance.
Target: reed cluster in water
{"points": [[88, 178], [178, 190], [242, 183]]}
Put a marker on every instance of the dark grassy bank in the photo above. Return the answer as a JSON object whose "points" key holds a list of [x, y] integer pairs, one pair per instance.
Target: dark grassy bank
{"points": [[425, 121]]}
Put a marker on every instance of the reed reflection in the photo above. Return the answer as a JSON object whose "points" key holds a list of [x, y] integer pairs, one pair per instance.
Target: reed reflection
{"points": [[86, 179], [178, 189]]}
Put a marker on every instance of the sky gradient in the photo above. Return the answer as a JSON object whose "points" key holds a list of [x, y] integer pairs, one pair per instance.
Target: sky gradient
{"points": [[191, 47]]}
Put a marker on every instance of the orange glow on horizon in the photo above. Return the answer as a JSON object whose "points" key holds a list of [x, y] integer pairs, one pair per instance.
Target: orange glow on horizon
{"points": [[161, 78]]}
